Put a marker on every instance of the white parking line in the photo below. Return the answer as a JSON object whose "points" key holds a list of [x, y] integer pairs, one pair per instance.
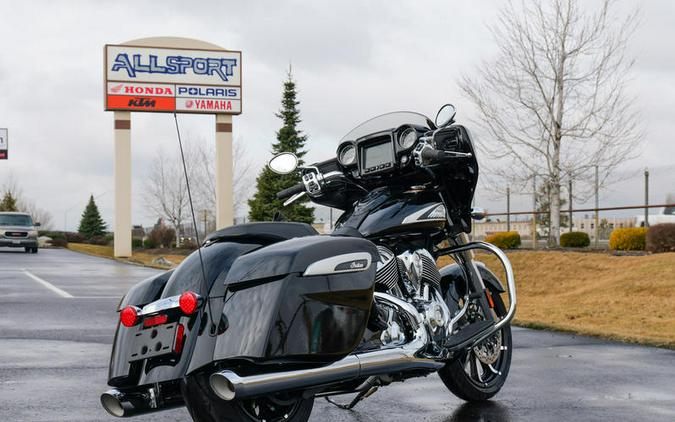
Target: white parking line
{"points": [[48, 285]]}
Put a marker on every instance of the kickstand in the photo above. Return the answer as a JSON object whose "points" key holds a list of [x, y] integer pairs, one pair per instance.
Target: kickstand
{"points": [[366, 389]]}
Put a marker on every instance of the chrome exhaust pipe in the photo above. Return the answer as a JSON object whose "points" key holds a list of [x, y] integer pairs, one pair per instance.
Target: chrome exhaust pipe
{"points": [[116, 403], [138, 401], [228, 385]]}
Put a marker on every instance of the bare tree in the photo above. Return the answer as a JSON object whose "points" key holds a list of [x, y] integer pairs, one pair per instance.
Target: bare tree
{"points": [[553, 103], [206, 175], [26, 205], [166, 192]]}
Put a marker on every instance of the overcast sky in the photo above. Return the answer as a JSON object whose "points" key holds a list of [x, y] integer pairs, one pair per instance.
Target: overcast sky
{"points": [[352, 60]]}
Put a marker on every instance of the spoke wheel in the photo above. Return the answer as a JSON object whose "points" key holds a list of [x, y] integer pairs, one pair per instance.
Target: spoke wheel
{"points": [[480, 372], [205, 406], [271, 409]]}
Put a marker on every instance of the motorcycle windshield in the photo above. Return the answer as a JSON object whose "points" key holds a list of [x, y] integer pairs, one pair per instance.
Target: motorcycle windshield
{"points": [[388, 121]]}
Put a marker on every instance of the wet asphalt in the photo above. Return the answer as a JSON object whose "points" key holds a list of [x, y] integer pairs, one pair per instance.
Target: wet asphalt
{"points": [[57, 320]]}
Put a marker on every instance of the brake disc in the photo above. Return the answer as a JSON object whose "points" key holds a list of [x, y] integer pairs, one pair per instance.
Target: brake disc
{"points": [[489, 350]]}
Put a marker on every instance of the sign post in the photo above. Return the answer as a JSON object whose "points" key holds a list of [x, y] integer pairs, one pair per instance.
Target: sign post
{"points": [[122, 243], [171, 75], [3, 143]]}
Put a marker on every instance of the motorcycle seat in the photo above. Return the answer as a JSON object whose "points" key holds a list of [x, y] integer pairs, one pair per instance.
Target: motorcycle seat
{"points": [[266, 232]]}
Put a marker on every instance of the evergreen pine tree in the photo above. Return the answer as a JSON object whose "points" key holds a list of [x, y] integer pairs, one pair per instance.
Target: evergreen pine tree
{"points": [[8, 202], [264, 203], [91, 223]]}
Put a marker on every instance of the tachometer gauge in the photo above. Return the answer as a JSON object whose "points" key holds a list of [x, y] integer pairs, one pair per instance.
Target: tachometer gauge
{"points": [[407, 138], [347, 155]]}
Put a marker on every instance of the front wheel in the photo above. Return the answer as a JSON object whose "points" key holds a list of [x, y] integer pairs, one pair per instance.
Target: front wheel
{"points": [[480, 372], [205, 406]]}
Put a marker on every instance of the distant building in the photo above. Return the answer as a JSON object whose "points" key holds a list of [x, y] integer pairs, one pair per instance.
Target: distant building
{"points": [[607, 224], [654, 219], [484, 228]]}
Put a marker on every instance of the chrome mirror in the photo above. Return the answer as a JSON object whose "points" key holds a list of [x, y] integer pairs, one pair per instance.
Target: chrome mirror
{"points": [[478, 213], [283, 163], [445, 116]]}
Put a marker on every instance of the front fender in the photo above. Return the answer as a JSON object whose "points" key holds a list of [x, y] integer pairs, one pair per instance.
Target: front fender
{"points": [[453, 273]]}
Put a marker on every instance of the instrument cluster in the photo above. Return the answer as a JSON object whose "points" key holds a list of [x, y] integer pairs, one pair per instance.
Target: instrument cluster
{"points": [[379, 152]]}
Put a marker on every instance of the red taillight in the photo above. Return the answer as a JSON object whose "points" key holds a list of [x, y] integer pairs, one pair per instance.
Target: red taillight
{"points": [[155, 320], [178, 346], [188, 302], [129, 316]]}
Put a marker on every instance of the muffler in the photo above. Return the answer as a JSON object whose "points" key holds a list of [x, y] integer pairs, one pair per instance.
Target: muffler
{"points": [[137, 402], [228, 385]]}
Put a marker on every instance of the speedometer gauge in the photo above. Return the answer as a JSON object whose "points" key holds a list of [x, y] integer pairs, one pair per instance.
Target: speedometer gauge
{"points": [[347, 155], [407, 138]]}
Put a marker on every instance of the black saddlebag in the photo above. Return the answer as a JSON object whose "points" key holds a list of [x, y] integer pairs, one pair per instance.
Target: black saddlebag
{"points": [[299, 300]]}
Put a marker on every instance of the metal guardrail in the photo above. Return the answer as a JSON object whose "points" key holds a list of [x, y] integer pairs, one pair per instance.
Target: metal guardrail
{"points": [[629, 207]]}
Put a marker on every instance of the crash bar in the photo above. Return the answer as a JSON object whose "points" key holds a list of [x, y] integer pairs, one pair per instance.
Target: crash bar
{"points": [[510, 279]]}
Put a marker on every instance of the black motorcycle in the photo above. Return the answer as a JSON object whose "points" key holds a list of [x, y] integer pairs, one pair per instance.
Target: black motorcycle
{"points": [[266, 317]]}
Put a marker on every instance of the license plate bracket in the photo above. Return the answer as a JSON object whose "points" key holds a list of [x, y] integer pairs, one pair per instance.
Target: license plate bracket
{"points": [[153, 342]]}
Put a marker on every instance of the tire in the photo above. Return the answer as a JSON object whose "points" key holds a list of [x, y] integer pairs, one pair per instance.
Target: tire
{"points": [[460, 382], [28, 250], [35, 250], [205, 406]]}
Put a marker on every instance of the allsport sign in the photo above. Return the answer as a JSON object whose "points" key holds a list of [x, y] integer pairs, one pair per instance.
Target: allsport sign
{"points": [[159, 79]]}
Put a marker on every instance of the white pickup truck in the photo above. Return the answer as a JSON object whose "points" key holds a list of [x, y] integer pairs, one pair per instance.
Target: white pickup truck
{"points": [[17, 230]]}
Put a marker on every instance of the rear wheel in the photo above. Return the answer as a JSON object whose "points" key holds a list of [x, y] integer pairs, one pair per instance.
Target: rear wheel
{"points": [[480, 372], [205, 406]]}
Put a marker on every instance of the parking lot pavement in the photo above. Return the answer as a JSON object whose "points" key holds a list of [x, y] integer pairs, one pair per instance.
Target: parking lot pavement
{"points": [[57, 317]]}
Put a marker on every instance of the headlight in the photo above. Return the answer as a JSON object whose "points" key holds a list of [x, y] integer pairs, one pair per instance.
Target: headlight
{"points": [[33, 233], [347, 155], [407, 138]]}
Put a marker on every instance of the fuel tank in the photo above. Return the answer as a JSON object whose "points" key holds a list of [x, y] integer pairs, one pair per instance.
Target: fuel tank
{"points": [[388, 211]]}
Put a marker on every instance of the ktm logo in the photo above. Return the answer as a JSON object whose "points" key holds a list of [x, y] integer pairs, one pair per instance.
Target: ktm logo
{"points": [[141, 102]]}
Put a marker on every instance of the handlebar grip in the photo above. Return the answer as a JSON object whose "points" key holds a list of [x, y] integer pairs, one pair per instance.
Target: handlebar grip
{"points": [[431, 155], [287, 193]]}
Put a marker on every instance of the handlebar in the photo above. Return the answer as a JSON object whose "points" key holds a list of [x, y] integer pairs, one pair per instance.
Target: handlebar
{"points": [[288, 192]]}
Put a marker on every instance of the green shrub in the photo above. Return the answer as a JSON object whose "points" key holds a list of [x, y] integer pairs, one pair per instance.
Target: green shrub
{"points": [[136, 243], [504, 240], [628, 239], [661, 238], [149, 244], [574, 240]]}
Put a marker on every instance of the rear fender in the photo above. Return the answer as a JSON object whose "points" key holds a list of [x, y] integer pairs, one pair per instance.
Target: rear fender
{"points": [[120, 371]]}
